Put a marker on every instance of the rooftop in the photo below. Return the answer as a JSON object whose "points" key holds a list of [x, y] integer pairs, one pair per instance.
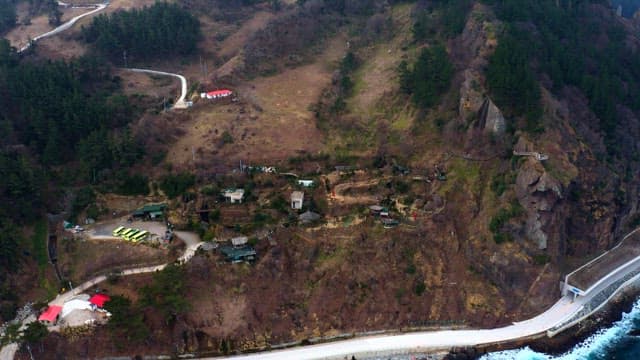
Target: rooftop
{"points": [[51, 313], [590, 274], [297, 195], [238, 254], [99, 299]]}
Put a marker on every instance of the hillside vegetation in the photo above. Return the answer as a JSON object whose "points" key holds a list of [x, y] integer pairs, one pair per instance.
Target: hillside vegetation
{"points": [[151, 32], [434, 110]]}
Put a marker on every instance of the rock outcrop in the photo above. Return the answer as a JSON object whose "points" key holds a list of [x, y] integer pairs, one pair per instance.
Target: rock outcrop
{"points": [[538, 192], [491, 118]]}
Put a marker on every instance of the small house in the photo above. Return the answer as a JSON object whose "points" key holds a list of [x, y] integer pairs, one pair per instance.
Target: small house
{"points": [[234, 196], [216, 94], [239, 241], [50, 315], [306, 183], [297, 199], [308, 217], [376, 210], [235, 255], [389, 223], [150, 212]]}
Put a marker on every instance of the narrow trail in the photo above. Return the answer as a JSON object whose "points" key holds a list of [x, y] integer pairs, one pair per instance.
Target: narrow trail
{"points": [[66, 25], [340, 189], [180, 103]]}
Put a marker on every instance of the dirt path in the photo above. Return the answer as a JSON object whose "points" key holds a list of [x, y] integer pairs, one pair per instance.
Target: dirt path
{"points": [[359, 198]]}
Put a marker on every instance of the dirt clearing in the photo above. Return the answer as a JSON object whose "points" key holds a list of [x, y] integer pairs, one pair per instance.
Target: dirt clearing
{"points": [[271, 121], [377, 74], [80, 260]]}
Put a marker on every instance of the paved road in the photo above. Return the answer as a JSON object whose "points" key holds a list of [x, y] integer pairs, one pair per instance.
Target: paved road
{"points": [[193, 243], [67, 25], [431, 341], [180, 103], [428, 341]]}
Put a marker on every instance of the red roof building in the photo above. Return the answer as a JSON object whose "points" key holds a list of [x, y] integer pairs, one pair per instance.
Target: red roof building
{"points": [[216, 94], [51, 314], [219, 93], [99, 299]]}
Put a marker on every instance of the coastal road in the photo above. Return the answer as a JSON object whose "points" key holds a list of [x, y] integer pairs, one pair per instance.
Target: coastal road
{"points": [[180, 103], [433, 341], [66, 25]]}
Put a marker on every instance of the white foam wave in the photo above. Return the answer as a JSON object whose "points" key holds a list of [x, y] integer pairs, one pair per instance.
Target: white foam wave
{"points": [[594, 347]]}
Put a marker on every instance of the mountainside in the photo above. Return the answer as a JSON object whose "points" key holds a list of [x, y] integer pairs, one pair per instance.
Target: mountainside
{"points": [[502, 134]]}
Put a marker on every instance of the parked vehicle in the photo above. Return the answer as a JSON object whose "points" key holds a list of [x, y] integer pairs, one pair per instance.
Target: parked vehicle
{"points": [[117, 231], [130, 235], [139, 236]]}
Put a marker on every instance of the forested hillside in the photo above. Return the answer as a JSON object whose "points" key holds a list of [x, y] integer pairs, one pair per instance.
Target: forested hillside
{"points": [[54, 113], [604, 68], [500, 137], [159, 30], [7, 15]]}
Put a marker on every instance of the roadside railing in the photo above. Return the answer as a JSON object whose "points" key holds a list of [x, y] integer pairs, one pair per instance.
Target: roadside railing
{"points": [[596, 302]]}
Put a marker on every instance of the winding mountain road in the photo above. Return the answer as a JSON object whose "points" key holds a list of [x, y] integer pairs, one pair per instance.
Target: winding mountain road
{"points": [[66, 25], [180, 103]]}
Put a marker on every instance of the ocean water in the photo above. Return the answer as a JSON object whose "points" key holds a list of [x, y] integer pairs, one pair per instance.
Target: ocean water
{"points": [[613, 343]]}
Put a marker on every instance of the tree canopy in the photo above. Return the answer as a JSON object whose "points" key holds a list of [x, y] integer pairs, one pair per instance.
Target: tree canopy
{"points": [[7, 15], [162, 29], [570, 42], [166, 292], [428, 78]]}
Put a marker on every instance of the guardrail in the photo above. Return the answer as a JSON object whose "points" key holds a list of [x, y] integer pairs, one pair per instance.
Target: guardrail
{"points": [[596, 303], [566, 278]]}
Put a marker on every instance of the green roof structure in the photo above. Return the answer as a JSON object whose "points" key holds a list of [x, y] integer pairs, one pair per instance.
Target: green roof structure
{"points": [[235, 254]]}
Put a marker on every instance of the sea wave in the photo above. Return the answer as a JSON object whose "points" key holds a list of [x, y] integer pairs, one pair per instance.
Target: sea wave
{"points": [[608, 343]]}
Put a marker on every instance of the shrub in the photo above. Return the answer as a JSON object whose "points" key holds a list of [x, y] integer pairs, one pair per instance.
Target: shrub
{"points": [[175, 185]]}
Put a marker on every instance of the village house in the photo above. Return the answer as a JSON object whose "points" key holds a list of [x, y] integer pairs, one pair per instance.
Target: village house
{"points": [[150, 212], [216, 94], [50, 316], [239, 241], [308, 217], [234, 196], [297, 199], [238, 254], [305, 183]]}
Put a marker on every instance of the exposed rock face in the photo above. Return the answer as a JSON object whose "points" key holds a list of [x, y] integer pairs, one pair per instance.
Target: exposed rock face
{"points": [[491, 118], [538, 192], [477, 43], [471, 94]]}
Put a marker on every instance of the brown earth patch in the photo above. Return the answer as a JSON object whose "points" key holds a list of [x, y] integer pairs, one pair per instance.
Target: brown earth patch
{"points": [[81, 260], [270, 122]]}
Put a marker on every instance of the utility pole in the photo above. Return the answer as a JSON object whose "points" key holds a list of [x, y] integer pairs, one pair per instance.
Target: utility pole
{"points": [[202, 67], [125, 59]]}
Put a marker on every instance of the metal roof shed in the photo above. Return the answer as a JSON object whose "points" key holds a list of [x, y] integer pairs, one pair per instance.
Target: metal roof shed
{"points": [[239, 241], [51, 314]]}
